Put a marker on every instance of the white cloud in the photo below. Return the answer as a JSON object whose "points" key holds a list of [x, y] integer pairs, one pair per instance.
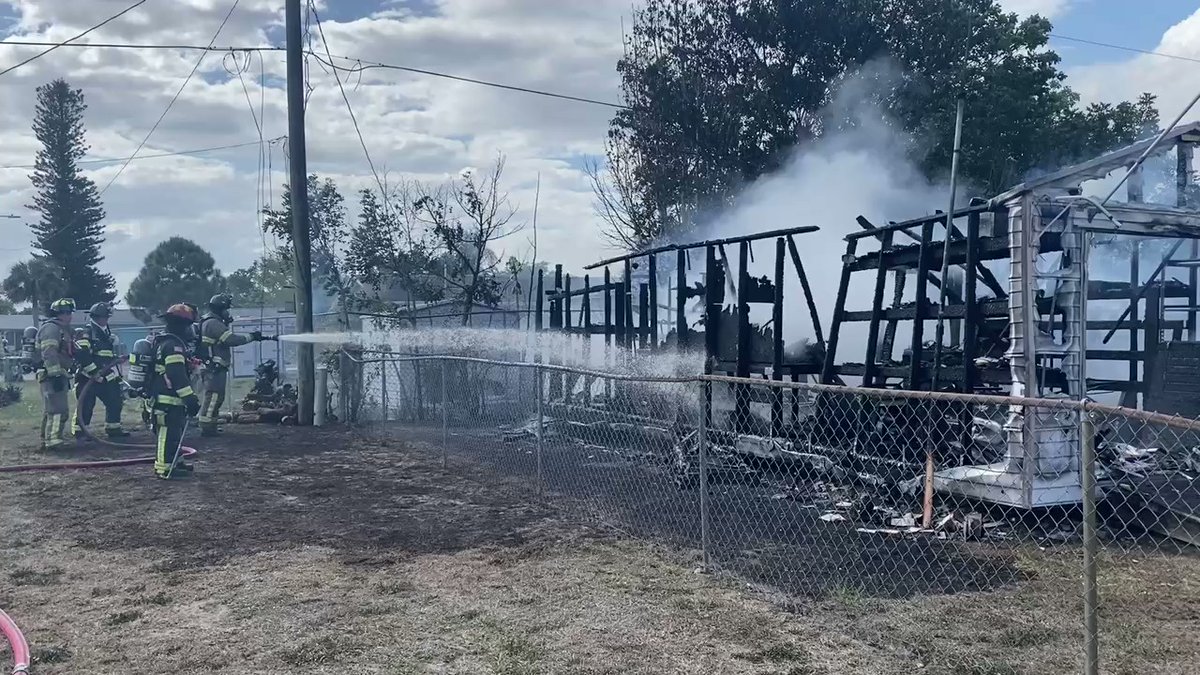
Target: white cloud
{"points": [[1174, 81], [1048, 8], [414, 125]]}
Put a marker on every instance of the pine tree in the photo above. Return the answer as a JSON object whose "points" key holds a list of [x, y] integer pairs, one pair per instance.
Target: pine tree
{"points": [[69, 232]]}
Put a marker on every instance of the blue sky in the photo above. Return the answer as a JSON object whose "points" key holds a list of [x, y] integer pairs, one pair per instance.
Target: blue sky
{"points": [[1131, 23]]}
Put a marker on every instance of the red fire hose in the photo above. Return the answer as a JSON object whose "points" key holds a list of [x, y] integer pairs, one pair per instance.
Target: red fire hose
{"points": [[20, 648], [101, 464]]}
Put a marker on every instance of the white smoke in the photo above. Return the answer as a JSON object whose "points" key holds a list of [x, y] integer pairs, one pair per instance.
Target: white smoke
{"points": [[860, 166]]}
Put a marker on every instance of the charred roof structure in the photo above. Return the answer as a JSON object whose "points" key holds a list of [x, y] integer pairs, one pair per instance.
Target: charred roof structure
{"points": [[1032, 335]]}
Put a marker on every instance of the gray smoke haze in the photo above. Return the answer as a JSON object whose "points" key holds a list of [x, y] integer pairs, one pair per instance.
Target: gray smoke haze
{"points": [[859, 166]]}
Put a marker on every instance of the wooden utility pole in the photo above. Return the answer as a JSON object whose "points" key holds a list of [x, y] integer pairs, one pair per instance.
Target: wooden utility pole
{"points": [[298, 183]]}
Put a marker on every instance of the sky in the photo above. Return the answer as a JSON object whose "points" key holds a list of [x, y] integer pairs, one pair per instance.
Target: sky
{"points": [[415, 126]]}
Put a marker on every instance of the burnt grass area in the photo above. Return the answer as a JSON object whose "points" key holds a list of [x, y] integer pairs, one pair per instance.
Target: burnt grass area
{"points": [[260, 488], [777, 543], [307, 550]]}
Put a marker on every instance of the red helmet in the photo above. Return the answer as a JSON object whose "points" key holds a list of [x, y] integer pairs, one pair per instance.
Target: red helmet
{"points": [[179, 311]]}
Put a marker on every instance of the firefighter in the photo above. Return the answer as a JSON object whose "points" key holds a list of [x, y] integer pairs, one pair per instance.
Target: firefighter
{"points": [[96, 362], [216, 342], [197, 368], [54, 359], [173, 399]]}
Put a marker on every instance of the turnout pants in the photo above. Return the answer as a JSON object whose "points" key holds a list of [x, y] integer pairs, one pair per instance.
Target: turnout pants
{"points": [[169, 423], [109, 393], [55, 409], [214, 398]]}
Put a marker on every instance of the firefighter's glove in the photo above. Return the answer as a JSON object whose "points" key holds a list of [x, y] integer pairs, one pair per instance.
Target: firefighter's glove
{"points": [[256, 335], [192, 403]]}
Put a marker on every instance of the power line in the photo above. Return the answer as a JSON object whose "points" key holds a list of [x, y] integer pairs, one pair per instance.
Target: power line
{"points": [[321, 31], [174, 98], [1135, 50], [361, 65], [368, 65], [141, 46], [193, 151], [39, 55]]}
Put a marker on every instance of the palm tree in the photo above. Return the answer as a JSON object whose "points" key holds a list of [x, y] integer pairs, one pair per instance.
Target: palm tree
{"points": [[37, 281]]}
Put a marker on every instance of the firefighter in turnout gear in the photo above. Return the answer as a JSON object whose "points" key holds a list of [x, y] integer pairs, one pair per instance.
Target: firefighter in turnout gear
{"points": [[54, 347], [215, 351], [173, 399], [96, 362]]}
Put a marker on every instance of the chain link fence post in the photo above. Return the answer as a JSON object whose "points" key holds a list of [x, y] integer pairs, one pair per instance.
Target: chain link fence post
{"points": [[445, 418], [541, 420], [1091, 637], [702, 451]]}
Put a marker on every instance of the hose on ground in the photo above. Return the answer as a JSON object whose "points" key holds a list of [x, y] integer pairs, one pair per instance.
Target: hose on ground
{"points": [[16, 643], [184, 450]]}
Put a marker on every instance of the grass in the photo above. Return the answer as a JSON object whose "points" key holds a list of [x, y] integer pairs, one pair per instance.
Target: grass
{"points": [[20, 422], [300, 594]]}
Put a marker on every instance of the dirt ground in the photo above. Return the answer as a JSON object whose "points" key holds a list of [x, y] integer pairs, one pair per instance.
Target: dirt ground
{"points": [[306, 551]]}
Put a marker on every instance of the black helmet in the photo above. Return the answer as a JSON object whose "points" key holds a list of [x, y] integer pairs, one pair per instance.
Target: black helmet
{"points": [[100, 310], [61, 306], [220, 303]]}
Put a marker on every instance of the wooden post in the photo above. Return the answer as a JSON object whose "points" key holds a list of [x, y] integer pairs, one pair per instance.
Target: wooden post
{"points": [[922, 307], [643, 315], [681, 326], [871, 366], [972, 316], [808, 294], [777, 342], [653, 271], [829, 370], [741, 414]]}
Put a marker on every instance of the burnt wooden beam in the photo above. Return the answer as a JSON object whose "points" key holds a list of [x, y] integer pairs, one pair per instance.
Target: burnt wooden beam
{"points": [[681, 326], [829, 370], [537, 316], [777, 318], [899, 279], [871, 362], [653, 282], [808, 294], [741, 408], [970, 345], [922, 306], [985, 274]]}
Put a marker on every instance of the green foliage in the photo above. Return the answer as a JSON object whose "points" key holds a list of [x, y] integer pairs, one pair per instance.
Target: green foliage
{"points": [[327, 238], [69, 231], [37, 281], [267, 282], [7, 306], [177, 270], [719, 92], [434, 242]]}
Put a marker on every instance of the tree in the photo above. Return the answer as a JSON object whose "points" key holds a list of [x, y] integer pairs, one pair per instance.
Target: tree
{"points": [[268, 281], [718, 93], [327, 237], [466, 217], [7, 306], [69, 231], [38, 281], [177, 270], [436, 241]]}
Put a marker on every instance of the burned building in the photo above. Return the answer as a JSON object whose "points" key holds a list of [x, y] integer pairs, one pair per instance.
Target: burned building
{"points": [[1040, 332]]}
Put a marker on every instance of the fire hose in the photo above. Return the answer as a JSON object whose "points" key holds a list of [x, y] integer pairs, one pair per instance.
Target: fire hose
{"points": [[183, 451], [17, 644], [8, 627]]}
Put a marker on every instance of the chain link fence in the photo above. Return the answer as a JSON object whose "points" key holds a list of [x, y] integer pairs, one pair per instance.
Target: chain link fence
{"points": [[1059, 513]]}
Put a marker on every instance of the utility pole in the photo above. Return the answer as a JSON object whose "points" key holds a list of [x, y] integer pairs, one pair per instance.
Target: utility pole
{"points": [[298, 182]]}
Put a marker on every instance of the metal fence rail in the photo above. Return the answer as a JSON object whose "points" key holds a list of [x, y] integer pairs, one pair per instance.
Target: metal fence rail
{"points": [[884, 493]]}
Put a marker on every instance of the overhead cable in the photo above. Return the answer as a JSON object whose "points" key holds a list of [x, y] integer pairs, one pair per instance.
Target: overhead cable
{"points": [[57, 45]]}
